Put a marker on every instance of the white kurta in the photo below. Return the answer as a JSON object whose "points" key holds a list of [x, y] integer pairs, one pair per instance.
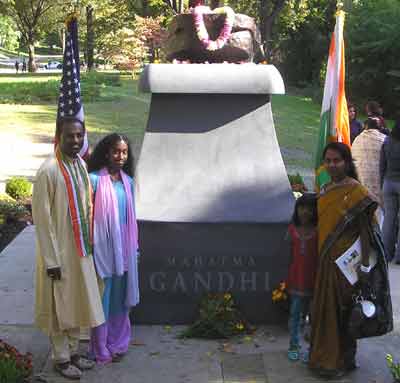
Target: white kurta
{"points": [[74, 301], [366, 150]]}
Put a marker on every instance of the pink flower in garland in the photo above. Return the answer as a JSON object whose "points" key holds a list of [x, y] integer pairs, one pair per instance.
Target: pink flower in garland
{"points": [[201, 29]]}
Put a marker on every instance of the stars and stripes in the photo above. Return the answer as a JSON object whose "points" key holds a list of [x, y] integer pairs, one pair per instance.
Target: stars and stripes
{"points": [[70, 101]]}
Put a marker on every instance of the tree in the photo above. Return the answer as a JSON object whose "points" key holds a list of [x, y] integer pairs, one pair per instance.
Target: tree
{"points": [[8, 34], [28, 14], [373, 40], [269, 12], [266, 13], [130, 48]]}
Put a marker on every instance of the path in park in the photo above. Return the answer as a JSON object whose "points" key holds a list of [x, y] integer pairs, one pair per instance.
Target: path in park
{"points": [[159, 356], [21, 155]]}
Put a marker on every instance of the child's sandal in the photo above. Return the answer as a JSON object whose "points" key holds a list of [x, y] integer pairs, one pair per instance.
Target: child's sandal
{"points": [[293, 354]]}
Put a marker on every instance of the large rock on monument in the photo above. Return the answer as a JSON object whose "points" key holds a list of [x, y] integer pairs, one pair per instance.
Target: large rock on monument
{"points": [[244, 44]]}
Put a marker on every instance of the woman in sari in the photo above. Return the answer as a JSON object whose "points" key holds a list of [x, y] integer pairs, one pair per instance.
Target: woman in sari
{"points": [[115, 247], [345, 213]]}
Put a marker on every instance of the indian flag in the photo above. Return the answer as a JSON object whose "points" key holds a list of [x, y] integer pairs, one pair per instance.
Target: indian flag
{"points": [[334, 114]]}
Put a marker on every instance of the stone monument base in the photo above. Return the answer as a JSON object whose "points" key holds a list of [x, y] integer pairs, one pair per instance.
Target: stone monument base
{"points": [[212, 195]]}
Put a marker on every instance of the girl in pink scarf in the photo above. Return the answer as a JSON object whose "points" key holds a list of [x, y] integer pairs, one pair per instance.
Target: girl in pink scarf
{"points": [[115, 244]]}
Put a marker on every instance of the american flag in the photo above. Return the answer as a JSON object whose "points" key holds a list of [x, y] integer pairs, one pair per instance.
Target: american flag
{"points": [[70, 101]]}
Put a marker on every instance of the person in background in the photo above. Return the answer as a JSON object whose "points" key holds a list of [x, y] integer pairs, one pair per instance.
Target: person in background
{"points": [[302, 269], [375, 111], [24, 66], [390, 180], [16, 66], [115, 245], [67, 291], [366, 152], [345, 213], [355, 125]]}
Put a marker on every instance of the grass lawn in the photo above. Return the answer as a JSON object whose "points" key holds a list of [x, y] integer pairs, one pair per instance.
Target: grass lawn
{"points": [[125, 110]]}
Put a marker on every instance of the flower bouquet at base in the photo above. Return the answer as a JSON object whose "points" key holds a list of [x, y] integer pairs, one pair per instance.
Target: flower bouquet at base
{"points": [[219, 319], [280, 297], [14, 366], [393, 367]]}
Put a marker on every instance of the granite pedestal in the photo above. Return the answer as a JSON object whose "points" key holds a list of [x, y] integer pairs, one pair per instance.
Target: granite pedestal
{"points": [[212, 195]]}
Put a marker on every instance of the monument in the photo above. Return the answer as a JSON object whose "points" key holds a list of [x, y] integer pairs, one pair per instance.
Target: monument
{"points": [[213, 198]]}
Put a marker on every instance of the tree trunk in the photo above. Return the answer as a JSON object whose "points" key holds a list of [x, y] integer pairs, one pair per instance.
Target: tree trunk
{"points": [[62, 38], [31, 52], [90, 37], [267, 38], [269, 11]]}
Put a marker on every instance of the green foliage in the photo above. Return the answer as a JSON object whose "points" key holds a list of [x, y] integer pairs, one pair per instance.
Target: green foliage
{"points": [[19, 188], [305, 28], [8, 33], [14, 367], [297, 183], [373, 40], [219, 318]]}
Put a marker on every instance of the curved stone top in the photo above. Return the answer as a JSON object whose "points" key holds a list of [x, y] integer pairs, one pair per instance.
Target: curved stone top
{"points": [[211, 78]]}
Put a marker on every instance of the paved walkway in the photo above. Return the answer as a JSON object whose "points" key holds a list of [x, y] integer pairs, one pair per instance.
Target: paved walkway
{"points": [[29, 158], [159, 356]]}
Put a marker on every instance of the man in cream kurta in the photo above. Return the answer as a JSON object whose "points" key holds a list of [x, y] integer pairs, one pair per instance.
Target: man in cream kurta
{"points": [[67, 292]]}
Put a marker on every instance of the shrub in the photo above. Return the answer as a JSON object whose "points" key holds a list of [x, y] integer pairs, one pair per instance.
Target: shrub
{"points": [[19, 188], [12, 210], [14, 366]]}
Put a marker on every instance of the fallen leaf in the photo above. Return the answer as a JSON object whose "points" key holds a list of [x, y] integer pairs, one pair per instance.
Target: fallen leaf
{"points": [[154, 353], [248, 338], [167, 328]]}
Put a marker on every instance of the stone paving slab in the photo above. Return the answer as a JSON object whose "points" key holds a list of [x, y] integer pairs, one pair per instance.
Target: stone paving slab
{"points": [[17, 266], [244, 368], [260, 358]]}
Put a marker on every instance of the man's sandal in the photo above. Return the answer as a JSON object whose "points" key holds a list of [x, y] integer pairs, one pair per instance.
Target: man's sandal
{"points": [[68, 371], [82, 363]]}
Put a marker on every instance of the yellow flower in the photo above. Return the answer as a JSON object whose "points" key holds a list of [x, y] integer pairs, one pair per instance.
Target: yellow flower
{"points": [[227, 297], [240, 326]]}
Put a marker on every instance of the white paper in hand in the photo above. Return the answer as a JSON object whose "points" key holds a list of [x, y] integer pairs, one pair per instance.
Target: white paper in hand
{"points": [[349, 262]]}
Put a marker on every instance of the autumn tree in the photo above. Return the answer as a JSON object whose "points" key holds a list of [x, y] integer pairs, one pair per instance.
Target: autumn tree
{"points": [[130, 48]]}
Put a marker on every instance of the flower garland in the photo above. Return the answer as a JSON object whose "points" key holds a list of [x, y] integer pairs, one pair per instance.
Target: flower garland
{"points": [[201, 30]]}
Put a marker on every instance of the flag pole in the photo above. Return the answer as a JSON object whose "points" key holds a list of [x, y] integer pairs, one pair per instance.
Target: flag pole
{"points": [[334, 121]]}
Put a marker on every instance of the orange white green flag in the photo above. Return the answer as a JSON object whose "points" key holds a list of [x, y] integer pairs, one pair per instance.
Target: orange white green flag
{"points": [[334, 115]]}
